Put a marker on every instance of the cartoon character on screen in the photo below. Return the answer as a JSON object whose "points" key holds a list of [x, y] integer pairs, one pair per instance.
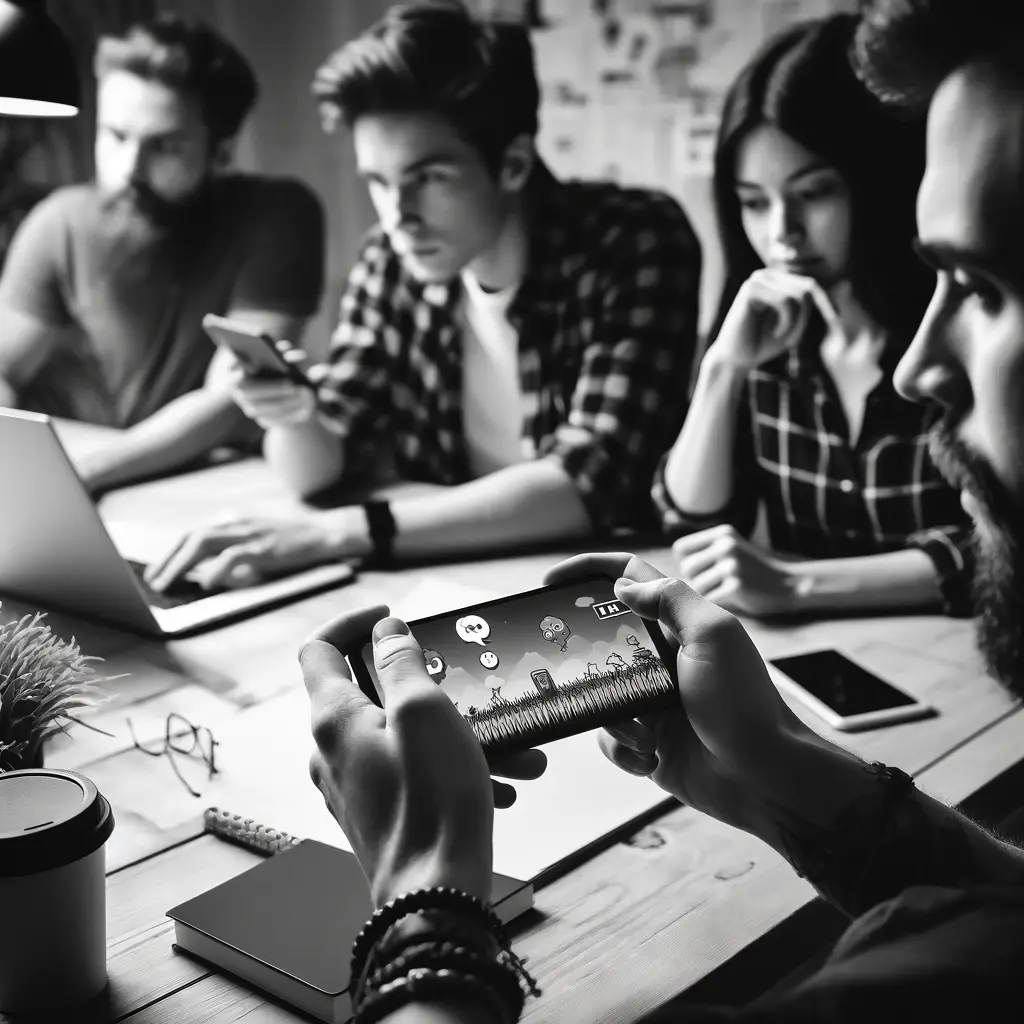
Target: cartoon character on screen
{"points": [[617, 662], [437, 667], [555, 630], [592, 670], [642, 656], [496, 697]]}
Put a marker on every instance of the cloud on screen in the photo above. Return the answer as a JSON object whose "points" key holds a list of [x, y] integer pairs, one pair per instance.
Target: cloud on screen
{"points": [[464, 689]]}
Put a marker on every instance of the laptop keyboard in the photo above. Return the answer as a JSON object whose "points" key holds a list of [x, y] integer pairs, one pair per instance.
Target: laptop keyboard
{"points": [[181, 591]]}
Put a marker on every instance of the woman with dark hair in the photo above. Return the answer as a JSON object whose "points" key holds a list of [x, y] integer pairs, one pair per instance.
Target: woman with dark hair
{"points": [[794, 406]]}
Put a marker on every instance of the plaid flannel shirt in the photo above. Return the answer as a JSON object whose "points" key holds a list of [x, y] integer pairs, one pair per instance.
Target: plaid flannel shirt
{"points": [[825, 498], [607, 320]]}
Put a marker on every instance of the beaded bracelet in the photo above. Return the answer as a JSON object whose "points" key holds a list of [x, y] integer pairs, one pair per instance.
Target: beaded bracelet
{"points": [[410, 957], [422, 984], [502, 969], [500, 973], [441, 898], [455, 958]]}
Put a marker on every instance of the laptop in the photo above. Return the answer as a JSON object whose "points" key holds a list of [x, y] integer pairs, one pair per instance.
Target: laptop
{"points": [[56, 552]]}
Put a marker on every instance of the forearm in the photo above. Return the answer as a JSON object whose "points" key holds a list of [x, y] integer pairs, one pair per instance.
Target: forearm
{"points": [[829, 817], [533, 502], [448, 1012], [307, 458], [530, 503], [897, 579], [699, 473], [174, 436]]}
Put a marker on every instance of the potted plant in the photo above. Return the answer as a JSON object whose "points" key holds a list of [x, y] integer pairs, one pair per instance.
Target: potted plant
{"points": [[44, 680]]}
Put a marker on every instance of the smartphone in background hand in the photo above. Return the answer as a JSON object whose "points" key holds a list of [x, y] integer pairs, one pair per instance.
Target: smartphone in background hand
{"points": [[846, 695], [541, 665], [255, 350]]}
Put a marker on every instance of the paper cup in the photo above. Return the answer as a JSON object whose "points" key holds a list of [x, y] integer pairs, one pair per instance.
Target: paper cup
{"points": [[54, 825]]}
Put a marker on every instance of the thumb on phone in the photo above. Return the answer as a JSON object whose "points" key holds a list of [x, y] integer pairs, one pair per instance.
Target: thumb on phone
{"points": [[398, 659], [690, 618]]}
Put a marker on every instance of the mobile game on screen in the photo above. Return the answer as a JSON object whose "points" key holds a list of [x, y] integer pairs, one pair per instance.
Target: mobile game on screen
{"points": [[543, 665]]}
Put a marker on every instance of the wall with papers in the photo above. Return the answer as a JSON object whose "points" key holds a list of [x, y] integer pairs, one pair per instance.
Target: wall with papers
{"points": [[632, 90]]}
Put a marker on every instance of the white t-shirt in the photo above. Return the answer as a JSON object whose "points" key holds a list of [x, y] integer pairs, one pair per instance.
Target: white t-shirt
{"points": [[492, 410]]}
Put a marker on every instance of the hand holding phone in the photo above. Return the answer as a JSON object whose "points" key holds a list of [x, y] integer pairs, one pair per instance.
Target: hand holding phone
{"points": [[409, 785], [541, 665], [256, 352], [272, 390]]}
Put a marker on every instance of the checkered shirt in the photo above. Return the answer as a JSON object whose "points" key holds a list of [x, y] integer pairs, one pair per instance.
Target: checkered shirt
{"points": [[606, 317], [823, 497]]}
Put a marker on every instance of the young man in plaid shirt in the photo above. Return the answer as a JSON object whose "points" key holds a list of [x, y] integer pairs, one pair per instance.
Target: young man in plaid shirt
{"points": [[522, 342]]}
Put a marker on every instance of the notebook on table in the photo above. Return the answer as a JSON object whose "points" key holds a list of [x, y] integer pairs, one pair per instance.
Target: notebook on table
{"points": [[286, 926]]}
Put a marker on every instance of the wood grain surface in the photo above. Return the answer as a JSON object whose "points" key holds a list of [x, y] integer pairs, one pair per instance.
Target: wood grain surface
{"points": [[617, 936]]}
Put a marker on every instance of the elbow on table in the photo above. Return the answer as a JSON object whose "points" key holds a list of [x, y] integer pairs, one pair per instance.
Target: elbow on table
{"points": [[306, 479], [309, 485], [307, 460]]}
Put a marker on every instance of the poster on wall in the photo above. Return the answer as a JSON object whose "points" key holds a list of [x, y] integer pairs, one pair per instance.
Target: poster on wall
{"points": [[632, 89]]}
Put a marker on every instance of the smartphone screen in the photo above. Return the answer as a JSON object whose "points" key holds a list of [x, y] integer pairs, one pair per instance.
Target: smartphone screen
{"points": [[841, 684], [544, 664]]}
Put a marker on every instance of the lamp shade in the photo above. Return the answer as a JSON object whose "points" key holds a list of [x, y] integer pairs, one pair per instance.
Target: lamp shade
{"points": [[38, 76]]}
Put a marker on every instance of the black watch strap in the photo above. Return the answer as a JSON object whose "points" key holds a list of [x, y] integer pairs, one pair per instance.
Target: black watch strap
{"points": [[381, 524]]}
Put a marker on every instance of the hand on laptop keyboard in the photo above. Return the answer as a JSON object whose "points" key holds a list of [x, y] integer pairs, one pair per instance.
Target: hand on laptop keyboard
{"points": [[181, 591]]}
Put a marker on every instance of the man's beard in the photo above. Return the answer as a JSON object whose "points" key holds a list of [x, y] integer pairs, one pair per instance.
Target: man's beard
{"points": [[998, 585], [137, 211]]}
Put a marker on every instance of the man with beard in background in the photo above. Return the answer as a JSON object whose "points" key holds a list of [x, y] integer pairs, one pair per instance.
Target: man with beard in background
{"points": [[106, 283]]}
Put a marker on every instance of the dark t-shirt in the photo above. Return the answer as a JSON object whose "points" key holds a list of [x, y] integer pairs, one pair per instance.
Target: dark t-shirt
{"points": [[126, 302], [930, 954]]}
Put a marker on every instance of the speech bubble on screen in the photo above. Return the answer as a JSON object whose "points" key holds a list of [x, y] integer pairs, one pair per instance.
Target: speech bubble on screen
{"points": [[609, 609], [473, 629]]}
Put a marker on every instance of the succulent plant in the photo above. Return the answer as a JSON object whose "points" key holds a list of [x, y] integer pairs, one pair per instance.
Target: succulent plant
{"points": [[44, 680]]}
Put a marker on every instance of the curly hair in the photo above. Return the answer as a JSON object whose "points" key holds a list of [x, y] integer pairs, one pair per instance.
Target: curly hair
{"points": [[904, 49], [435, 57], [802, 82], [190, 57]]}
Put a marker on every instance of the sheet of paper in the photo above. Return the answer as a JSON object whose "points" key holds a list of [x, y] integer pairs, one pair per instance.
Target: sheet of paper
{"points": [[81, 746], [580, 798], [263, 757], [262, 752]]}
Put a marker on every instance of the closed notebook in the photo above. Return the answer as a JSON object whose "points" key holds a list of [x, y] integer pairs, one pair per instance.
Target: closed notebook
{"points": [[286, 926]]}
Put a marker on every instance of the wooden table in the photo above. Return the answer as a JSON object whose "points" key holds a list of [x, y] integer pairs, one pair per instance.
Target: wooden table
{"points": [[612, 939]]}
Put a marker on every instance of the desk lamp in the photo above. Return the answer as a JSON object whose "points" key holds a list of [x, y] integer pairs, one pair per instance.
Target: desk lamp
{"points": [[38, 76]]}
